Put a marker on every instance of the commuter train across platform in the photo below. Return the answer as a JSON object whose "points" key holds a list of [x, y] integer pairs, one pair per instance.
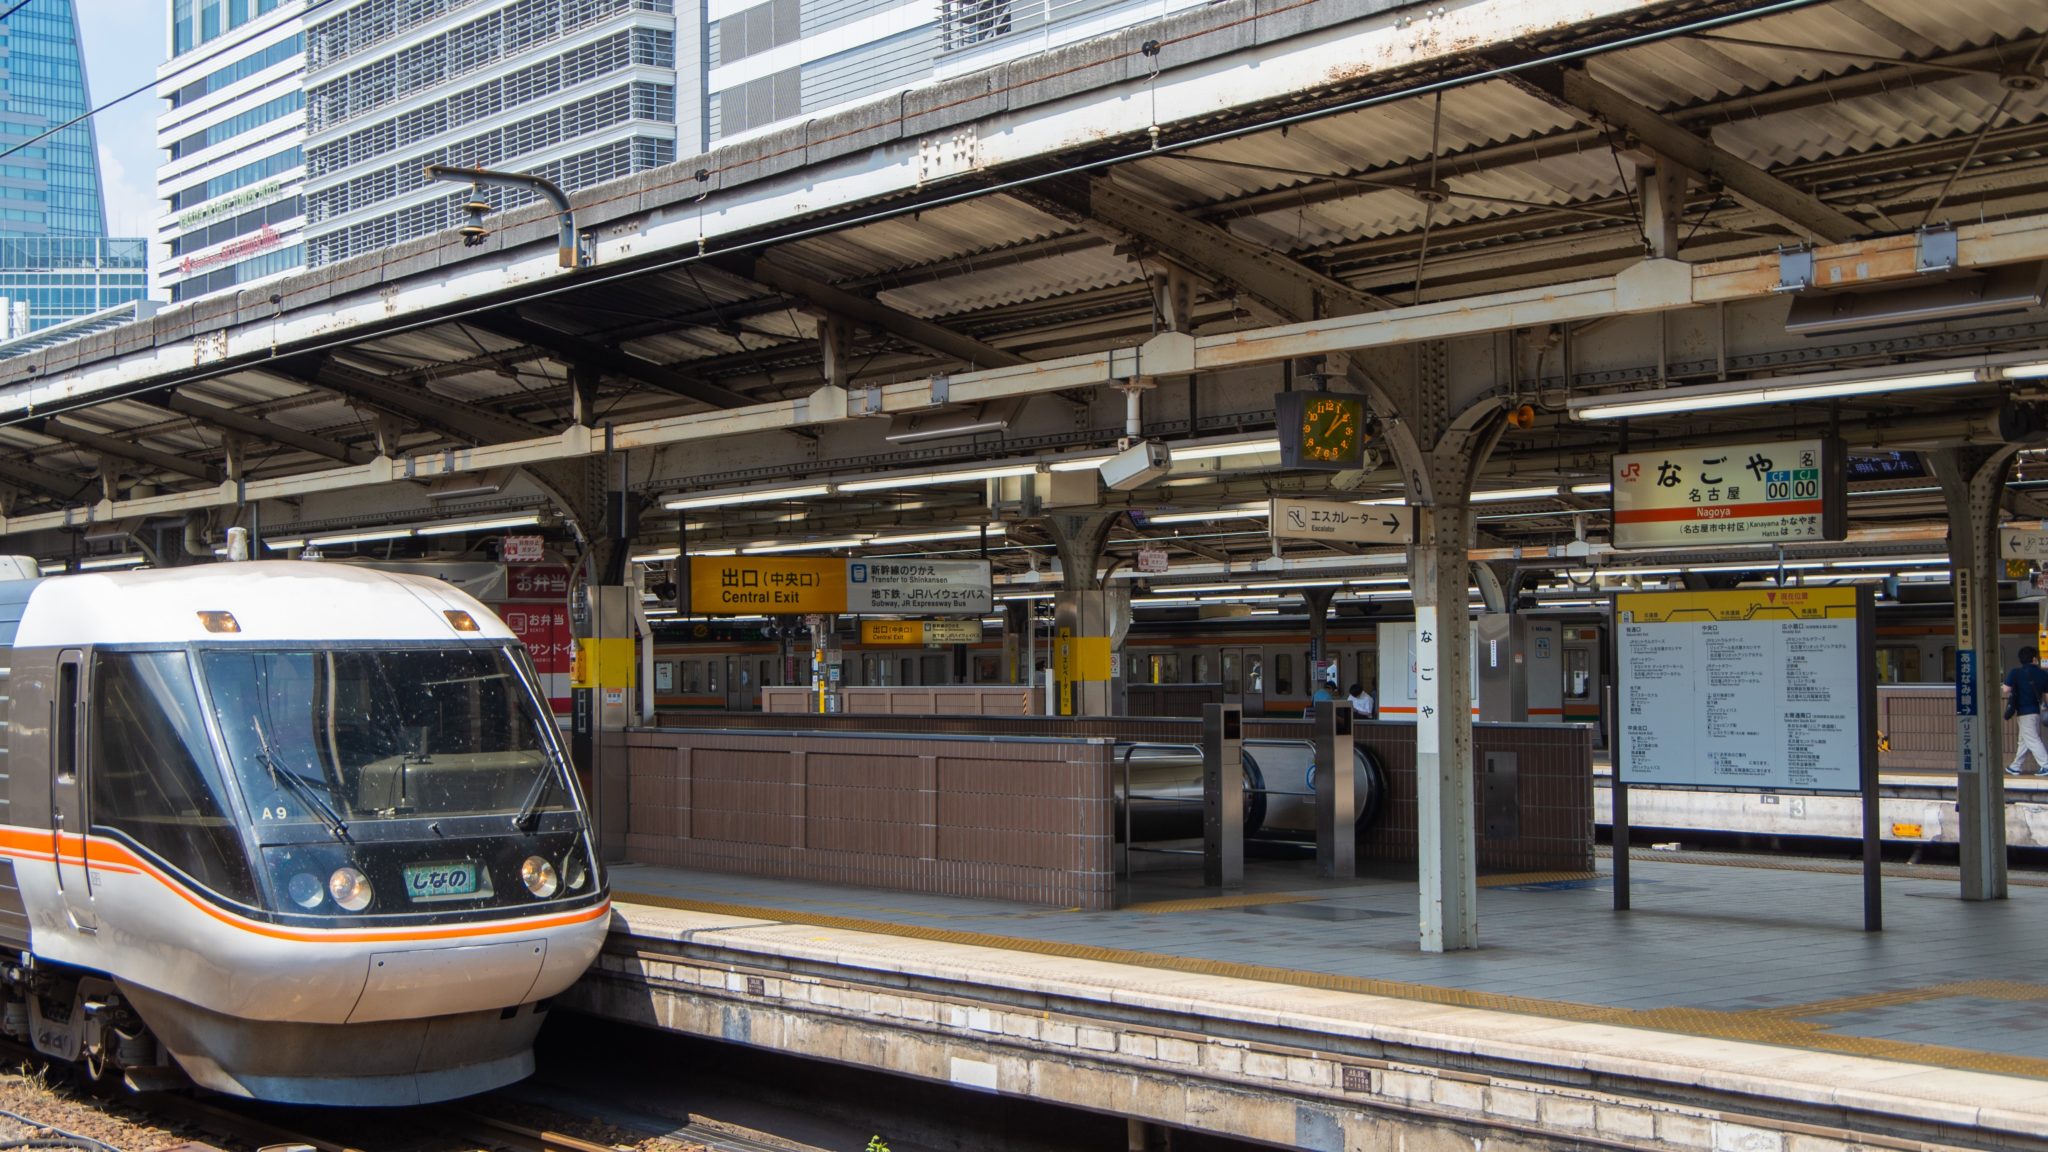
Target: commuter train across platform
{"points": [[1262, 663], [295, 831]]}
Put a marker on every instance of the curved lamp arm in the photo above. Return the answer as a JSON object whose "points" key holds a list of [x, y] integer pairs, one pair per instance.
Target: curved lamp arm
{"points": [[566, 244]]}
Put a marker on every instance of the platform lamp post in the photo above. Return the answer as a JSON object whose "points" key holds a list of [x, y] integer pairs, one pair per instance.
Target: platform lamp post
{"points": [[570, 250]]}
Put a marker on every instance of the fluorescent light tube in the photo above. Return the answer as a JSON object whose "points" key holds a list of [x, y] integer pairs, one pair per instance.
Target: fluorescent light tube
{"points": [[284, 543], [994, 530], [362, 537], [745, 496], [1235, 512], [1601, 488], [917, 479], [1514, 494], [101, 562], [485, 524], [1781, 391], [806, 546], [1218, 451]]}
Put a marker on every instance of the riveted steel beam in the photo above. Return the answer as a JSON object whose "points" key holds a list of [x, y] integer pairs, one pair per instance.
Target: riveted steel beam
{"points": [[874, 314], [606, 358], [260, 428]]}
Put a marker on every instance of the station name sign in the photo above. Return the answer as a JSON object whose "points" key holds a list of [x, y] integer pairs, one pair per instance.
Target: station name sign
{"points": [[1776, 493], [775, 586]]}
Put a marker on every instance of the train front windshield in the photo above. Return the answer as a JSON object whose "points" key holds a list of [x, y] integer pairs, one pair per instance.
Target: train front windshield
{"points": [[349, 735]]}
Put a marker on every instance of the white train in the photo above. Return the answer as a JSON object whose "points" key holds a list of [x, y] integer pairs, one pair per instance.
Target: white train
{"points": [[303, 831]]}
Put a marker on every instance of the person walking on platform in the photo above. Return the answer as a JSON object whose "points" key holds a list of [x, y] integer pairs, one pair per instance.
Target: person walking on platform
{"points": [[1361, 702], [2025, 685]]}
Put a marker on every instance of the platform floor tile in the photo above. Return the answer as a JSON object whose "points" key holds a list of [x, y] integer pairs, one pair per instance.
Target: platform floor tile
{"points": [[1740, 953]]}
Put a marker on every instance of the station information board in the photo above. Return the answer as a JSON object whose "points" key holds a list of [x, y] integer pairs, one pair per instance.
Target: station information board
{"points": [[778, 586], [1757, 690]]}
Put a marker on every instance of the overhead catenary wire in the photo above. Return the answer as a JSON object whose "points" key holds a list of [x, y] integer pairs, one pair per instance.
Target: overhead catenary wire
{"points": [[584, 280]]}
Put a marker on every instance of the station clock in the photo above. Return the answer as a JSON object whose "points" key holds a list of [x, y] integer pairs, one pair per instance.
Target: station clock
{"points": [[1320, 431]]}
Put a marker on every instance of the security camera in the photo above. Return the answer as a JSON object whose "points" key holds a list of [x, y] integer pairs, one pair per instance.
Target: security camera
{"points": [[1137, 466]]}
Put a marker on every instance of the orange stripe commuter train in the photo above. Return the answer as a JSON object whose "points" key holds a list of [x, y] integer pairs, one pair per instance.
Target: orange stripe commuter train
{"points": [[294, 831]]}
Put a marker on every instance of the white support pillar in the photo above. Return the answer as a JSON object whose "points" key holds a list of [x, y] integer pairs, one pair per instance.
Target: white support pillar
{"points": [[1972, 483], [1448, 872]]}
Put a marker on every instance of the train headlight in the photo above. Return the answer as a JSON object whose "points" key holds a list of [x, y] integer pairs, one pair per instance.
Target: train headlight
{"points": [[305, 890], [540, 877], [350, 889], [575, 872]]}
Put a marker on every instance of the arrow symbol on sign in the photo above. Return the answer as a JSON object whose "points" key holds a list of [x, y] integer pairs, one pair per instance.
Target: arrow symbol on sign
{"points": [[1392, 521]]}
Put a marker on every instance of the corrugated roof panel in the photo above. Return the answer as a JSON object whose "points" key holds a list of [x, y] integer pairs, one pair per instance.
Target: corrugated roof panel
{"points": [[1947, 107], [1016, 282], [1691, 69], [927, 237]]}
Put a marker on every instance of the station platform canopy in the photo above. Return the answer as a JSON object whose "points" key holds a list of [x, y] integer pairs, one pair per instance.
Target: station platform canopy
{"points": [[860, 333]]}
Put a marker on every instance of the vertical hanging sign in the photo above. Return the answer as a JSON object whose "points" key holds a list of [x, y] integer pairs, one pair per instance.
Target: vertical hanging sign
{"points": [[1428, 694]]}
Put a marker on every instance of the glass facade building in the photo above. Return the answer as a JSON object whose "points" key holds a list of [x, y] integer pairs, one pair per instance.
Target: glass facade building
{"points": [[56, 260], [59, 278], [51, 186]]}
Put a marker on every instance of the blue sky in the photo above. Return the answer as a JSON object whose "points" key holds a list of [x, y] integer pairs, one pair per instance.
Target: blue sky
{"points": [[124, 44]]}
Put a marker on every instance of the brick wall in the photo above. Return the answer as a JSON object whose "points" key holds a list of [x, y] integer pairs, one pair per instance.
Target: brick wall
{"points": [[1007, 819], [1919, 723], [834, 798], [1553, 796]]}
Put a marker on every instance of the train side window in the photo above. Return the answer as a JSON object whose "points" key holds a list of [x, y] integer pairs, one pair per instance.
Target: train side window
{"points": [[664, 676], [693, 677], [909, 677], [985, 668], [1137, 674], [767, 677], [154, 777], [1255, 673], [1898, 664], [1283, 673], [938, 669], [711, 676], [1578, 674], [66, 738], [1230, 673], [1948, 663], [1201, 675]]}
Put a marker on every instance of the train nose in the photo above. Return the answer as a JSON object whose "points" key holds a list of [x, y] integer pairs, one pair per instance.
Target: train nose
{"points": [[418, 982]]}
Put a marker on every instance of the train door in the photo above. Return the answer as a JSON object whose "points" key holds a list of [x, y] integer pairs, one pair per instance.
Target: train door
{"points": [[67, 788], [739, 684], [1244, 679]]}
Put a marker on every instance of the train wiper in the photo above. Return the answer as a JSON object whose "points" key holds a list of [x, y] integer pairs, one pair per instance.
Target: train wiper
{"points": [[304, 790], [543, 787]]}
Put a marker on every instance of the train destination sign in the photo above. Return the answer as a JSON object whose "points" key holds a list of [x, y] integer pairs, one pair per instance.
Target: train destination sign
{"points": [[1337, 520], [1757, 690], [920, 632], [1774, 493]]}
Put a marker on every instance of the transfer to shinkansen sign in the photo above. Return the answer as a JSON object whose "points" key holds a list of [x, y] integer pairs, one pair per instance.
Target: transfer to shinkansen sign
{"points": [[1783, 492]]}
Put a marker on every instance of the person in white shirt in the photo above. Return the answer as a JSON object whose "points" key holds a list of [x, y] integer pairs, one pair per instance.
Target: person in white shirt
{"points": [[1361, 702]]}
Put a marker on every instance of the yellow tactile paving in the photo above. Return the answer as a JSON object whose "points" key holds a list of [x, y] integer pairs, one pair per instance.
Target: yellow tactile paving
{"points": [[1782, 1026], [1206, 903]]}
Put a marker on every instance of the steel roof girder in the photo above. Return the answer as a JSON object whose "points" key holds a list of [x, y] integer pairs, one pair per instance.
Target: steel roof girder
{"points": [[1799, 209]]}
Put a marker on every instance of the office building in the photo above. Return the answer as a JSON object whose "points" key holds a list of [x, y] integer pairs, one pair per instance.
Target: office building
{"points": [[578, 91], [771, 62], [56, 261], [232, 134]]}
